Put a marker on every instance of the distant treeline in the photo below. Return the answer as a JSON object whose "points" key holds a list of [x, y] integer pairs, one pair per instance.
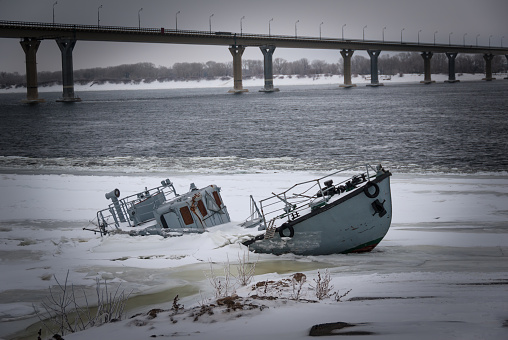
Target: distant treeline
{"points": [[401, 63]]}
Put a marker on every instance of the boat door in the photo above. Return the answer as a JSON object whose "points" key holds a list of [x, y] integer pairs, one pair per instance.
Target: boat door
{"points": [[170, 220]]}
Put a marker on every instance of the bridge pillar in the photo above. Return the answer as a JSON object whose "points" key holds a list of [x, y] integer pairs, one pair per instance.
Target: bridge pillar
{"points": [[451, 67], [268, 67], [506, 55], [374, 78], [236, 52], [347, 54], [488, 66], [66, 46], [426, 68], [30, 46]]}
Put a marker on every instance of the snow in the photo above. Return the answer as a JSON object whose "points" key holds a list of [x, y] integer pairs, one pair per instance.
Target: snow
{"points": [[252, 84], [441, 272]]}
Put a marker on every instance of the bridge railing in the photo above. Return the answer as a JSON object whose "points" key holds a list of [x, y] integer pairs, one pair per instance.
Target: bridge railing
{"points": [[169, 31]]}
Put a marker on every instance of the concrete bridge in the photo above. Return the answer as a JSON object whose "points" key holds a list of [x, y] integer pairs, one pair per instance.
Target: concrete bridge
{"points": [[66, 36]]}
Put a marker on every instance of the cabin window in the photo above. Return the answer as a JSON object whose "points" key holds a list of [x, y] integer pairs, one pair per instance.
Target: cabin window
{"points": [[186, 215], [217, 198], [202, 209]]}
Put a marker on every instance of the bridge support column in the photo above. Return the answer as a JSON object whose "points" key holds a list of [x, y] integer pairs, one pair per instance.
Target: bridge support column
{"points": [[374, 78], [237, 52], [451, 67], [30, 46], [347, 54], [427, 56], [268, 67], [506, 55], [66, 46], [488, 66]]}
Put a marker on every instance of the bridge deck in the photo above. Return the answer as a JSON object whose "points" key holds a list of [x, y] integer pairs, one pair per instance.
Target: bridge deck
{"points": [[38, 30]]}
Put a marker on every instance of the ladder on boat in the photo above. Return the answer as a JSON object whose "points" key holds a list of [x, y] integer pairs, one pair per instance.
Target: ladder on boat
{"points": [[270, 229]]}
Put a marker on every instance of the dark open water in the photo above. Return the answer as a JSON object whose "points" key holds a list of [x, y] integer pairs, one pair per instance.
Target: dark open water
{"points": [[459, 127]]}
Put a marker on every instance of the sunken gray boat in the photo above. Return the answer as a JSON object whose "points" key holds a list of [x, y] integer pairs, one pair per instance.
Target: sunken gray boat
{"points": [[318, 217], [161, 211]]}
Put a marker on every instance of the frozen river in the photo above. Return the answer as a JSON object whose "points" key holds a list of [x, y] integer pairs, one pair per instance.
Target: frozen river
{"points": [[441, 272], [441, 269]]}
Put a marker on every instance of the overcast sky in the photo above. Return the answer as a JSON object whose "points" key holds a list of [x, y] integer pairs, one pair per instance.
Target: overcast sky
{"points": [[470, 17]]}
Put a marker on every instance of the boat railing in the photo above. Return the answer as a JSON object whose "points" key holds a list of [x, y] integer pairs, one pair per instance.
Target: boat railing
{"points": [[293, 202], [136, 208]]}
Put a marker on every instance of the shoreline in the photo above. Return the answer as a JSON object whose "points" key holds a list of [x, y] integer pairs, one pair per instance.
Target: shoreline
{"points": [[253, 83]]}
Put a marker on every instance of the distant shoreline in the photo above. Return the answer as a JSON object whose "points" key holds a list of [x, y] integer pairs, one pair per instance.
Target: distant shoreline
{"points": [[252, 83]]}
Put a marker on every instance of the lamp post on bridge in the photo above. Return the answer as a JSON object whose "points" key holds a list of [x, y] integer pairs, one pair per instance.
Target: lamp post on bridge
{"points": [[477, 40], [176, 20], [450, 39], [419, 37], [296, 35], [364, 27], [139, 17], [383, 34], [502, 41], [98, 16], [343, 31], [56, 2], [401, 35], [241, 27], [435, 37], [210, 22], [464, 39], [320, 29], [489, 40], [269, 27]]}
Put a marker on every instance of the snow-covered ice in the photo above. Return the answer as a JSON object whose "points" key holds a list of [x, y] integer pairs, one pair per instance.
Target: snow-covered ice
{"points": [[441, 272]]}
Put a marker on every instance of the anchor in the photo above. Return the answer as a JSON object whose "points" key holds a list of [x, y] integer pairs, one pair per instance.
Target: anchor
{"points": [[379, 208]]}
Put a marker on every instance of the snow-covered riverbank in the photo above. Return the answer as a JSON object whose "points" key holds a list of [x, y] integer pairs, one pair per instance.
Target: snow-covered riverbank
{"points": [[441, 272], [253, 84]]}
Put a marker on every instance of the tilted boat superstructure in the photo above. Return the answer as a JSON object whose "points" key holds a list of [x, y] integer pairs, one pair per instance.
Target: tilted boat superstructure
{"points": [[315, 217], [318, 217], [162, 211]]}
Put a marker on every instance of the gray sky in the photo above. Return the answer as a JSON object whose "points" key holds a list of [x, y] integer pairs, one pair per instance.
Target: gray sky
{"points": [[471, 17]]}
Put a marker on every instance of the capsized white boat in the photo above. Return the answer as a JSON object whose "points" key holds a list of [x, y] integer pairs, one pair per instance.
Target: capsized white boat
{"points": [[161, 211], [318, 217]]}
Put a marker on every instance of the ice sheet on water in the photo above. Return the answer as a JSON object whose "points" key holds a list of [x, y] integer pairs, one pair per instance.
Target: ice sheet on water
{"points": [[436, 242]]}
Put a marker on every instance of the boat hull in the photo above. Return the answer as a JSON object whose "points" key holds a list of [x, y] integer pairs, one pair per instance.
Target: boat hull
{"points": [[353, 223]]}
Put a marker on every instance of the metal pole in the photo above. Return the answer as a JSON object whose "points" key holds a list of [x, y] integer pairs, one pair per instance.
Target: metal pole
{"points": [[401, 35], [320, 29], [210, 22], [269, 27], [176, 20], [139, 17], [449, 39], [343, 31], [296, 35], [477, 40], [435, 37], [98, 16], [364, 27], [489, 40], [464, 39], [384, 34], [241, 26], [419, 37]]}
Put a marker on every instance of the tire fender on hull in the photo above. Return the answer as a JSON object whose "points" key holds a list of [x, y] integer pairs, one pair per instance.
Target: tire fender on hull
{"points": [[291, 231], [368, 186]]}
